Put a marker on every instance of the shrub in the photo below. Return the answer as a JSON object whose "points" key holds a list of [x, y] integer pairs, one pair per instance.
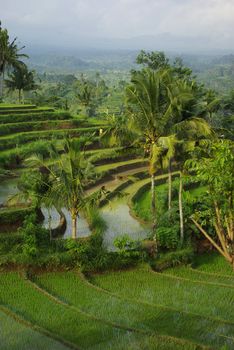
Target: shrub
{"points": [[171, 259], [34, 237], [168, 237], [14, 215], [127, 247], [10, 242], [13, 158], [26, 117]]}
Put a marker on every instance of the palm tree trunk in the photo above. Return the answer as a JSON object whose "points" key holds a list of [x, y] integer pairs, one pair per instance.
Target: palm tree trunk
{"points": [[49, 226], [181, 209], [169, 185], [19, 95], [1, 84], [74, 222], [153, 204]]}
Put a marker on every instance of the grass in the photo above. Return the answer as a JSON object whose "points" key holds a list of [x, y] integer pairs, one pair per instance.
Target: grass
{"points": [[186, 272], [106, 167], [72, 289], [73, 325], [17, 336], [23, 137], [214, 264], [160, 289], [142, 206], [207, 300], [37, 308], [32, 116], [16, 106]]}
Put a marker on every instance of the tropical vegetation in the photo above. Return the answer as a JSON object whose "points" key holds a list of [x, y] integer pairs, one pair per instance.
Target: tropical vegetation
{"points": [[116, 208]]}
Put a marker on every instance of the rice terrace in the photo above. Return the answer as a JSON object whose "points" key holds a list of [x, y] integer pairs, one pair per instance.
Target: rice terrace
{"points": [[116, 183]]}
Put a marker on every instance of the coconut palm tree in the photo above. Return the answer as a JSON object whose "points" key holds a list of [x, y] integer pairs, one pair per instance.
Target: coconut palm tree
{"points": [[188, 125], [117, 132], [68, 177], [21, 79], [163, 109], [86, 95], [10, 55], [149, 107]]}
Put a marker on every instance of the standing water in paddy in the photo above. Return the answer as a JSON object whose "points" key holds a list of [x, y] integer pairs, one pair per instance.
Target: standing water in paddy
{"points": [[8, 188], [116, 215], [120, 222], [51, 220]]}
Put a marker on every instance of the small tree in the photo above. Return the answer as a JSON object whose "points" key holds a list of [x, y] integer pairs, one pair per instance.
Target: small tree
{"points": [[154, 60], [21, 79], [216, 170], [117, 132], [68, 176], [10, 55], [86, 95]]}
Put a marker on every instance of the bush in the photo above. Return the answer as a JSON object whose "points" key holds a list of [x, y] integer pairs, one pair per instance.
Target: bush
{"points": [[34, 237], [11, 128], [13, 158], [26, 117], [10, 242], [14, 215], [129, 250], [168, 237], [25, 137], [168, 230], [171, 259]]}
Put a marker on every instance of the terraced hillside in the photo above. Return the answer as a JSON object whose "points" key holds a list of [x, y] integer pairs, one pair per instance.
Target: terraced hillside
{"points": [[182, 308], [188, 308], [27, 129]]}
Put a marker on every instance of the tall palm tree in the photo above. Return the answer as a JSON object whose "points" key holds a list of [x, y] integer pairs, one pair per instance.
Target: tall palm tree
{"points": [[149, 107], [163, 109], [189, 126], [68, 177], [117, 132], [168, 144], [21, 79], [212, 105], [10, 55]]}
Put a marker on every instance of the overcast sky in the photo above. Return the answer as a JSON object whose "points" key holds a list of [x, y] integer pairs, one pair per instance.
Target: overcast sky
{"points": [[67, 22]]}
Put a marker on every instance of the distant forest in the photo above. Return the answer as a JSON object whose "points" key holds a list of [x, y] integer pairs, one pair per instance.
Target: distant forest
{"points": [[214, 71]]}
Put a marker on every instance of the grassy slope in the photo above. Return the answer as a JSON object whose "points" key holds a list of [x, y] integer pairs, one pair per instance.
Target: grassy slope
{"points": [[143, 206], [73, 325], [156, 319], [17, 336], [41, 310], [158, 288]]}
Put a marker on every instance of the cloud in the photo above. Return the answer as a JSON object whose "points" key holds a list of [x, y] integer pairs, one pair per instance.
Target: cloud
{"points": [[61, 21]]}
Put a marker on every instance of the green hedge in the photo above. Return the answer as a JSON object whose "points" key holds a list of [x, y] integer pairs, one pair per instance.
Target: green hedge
{"points": [[175, 258], [10, 242], [6, 107], [10, 128], [135, 198], [17, 111], [18, 118], [14, 157], [7, 142], [14, 215]]}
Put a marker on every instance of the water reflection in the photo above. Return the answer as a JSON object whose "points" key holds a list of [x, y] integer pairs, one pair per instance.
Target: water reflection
{"points": [[8, 188], [82, 224], [116, 215], [120, 222]]}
